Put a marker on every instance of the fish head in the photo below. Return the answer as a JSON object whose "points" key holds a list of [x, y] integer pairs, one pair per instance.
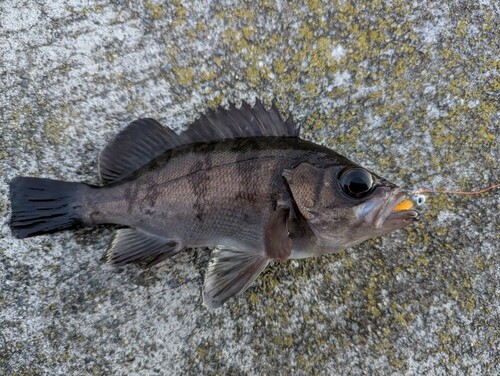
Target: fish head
{"points": [[346, 204]]}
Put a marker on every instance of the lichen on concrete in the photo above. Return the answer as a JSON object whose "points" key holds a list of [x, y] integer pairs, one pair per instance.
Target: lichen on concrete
{"points": [[408, 89]]}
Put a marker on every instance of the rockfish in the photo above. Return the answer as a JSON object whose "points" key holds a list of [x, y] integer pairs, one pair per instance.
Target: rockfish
{"points": [[240, 180]]}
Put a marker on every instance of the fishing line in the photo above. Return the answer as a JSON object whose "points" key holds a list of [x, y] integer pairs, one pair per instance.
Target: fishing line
{"points": [[418, 197], [470, 193]]}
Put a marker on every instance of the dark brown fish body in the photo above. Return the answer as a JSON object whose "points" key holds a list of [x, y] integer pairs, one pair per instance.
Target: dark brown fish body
{"points": [[207, 194], [258, 194]]}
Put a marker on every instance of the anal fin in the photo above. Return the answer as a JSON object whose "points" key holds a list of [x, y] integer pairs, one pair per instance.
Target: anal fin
{"points": [[230, 272], [135, 246]]}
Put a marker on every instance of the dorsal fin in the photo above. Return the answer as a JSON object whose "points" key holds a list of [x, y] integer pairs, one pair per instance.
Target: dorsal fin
{"points": [[145, 139], [246, 121], [139, 143]]}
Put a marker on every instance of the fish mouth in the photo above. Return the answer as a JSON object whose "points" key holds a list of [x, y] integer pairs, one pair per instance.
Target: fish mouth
{"points": [[381, 210], [389, 214]]}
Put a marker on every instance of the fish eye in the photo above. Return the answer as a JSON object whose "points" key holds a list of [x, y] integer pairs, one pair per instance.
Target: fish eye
{"points": [[356, 182]]}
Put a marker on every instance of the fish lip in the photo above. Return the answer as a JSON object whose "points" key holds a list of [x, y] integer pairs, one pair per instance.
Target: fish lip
{"points": [[388, 212]]}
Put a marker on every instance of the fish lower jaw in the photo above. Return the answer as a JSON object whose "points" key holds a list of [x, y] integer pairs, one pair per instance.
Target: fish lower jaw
{"points": [[410, 215]]}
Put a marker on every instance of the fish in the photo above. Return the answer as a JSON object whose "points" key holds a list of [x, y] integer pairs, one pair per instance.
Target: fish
{"points": [[240, 181]]}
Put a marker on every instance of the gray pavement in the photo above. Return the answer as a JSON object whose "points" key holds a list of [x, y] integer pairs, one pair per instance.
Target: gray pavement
{"points": [[407, 89]]}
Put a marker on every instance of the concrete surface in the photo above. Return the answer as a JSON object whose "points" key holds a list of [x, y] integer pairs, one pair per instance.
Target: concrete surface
{"points": [[409, 89]]}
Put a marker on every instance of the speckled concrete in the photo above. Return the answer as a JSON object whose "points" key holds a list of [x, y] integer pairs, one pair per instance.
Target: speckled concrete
{"points": [[409, 89]]}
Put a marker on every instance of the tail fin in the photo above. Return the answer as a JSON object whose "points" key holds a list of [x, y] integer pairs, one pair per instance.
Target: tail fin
{"points": [[41, 206]]}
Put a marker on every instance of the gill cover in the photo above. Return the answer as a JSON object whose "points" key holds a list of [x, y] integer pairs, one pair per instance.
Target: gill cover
{"points": [[304, 182]]}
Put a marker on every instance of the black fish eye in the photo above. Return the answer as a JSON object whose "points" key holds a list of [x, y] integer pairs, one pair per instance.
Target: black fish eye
{"points": [[356, 182]]}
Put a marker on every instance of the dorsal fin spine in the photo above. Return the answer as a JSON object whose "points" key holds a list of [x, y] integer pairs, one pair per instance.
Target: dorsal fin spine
{"points": [[145, 139]]}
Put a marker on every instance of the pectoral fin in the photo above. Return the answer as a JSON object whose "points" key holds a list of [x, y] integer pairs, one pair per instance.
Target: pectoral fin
{"points": [[277, 243], [230, 272]]}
